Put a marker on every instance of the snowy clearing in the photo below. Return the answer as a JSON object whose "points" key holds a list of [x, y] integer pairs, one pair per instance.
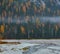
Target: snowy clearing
{"points": [[31, 47]]}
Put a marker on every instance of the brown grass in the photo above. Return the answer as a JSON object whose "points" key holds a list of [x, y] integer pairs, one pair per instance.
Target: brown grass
{"points": [[1, 42]]}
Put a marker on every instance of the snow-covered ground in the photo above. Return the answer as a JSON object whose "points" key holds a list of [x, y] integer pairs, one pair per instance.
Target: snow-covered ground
{"points": [[31, 47]]}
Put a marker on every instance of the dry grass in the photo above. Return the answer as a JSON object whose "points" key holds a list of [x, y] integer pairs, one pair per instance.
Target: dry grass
{"points": [[1, 42]]}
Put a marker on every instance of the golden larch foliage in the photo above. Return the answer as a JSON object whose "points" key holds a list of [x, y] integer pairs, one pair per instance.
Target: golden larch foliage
{"points": [[2, 28], [22, 29], [35, 8], [24, 8], [10, 0], [43, 24], [37, 21], [29, 3], [56, 27], [27, 18]]}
